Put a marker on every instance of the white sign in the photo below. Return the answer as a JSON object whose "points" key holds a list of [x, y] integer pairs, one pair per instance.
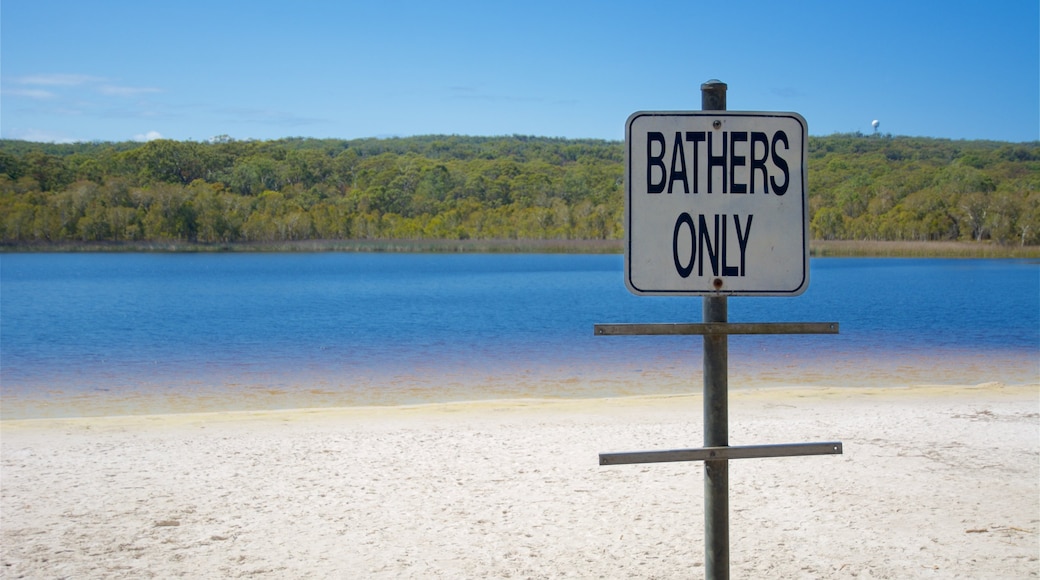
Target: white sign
{"points": [[716, 204]]}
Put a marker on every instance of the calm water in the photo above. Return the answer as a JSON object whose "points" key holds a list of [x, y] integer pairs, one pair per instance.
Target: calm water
{"points": [[146, 333]]}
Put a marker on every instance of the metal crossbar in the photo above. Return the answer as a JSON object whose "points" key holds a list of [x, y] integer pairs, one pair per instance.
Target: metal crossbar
{"points": [[721, 453], [716, 328]]}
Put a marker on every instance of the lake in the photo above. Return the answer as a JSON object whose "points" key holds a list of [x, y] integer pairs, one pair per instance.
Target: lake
{"points": [[88, 334]]}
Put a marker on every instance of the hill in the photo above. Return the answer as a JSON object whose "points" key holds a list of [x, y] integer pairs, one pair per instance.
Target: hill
{"points": [[438, 187]]}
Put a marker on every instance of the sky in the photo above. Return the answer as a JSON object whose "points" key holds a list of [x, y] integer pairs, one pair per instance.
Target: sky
{"points": [[119, 70]]}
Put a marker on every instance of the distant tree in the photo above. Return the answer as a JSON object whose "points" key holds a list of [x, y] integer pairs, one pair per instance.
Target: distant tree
{"points": [[452, 187], [974, 208], [171, 161]]}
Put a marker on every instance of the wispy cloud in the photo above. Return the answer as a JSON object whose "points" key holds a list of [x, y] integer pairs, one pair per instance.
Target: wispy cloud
{"points": [[149, 136], [57, 80], [43, 99], [30, 93], [36, 101], [37, 135], [118, 91], [267, 116], [30, 86]]}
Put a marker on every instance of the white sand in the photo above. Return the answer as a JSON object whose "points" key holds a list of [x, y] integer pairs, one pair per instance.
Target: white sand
{"points": [[935, 482]]}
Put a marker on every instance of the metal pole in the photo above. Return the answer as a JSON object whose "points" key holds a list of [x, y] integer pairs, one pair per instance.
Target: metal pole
{"points": [[716, 407]]}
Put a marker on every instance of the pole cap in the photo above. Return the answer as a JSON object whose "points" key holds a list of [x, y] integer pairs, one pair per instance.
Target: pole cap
{"points": [[713, 95]]}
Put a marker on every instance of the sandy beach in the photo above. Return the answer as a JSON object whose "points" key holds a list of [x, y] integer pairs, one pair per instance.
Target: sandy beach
{"points": [[934, 482]]}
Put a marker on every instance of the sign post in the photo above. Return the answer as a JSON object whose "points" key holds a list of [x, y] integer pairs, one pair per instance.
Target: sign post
{"points": [[716, 397], [716, 206]]}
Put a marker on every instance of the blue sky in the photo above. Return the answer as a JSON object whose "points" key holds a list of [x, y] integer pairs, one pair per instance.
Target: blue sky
{"points": [[115, 70]]}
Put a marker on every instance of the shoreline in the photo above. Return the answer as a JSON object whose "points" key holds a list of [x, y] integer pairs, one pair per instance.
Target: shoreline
{"points": [[87, 406], [817, 248], [935, 481], [521, 405]]}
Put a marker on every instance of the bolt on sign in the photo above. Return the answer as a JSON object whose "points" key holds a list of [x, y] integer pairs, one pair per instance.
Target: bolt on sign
{"points": [[716, 204]]}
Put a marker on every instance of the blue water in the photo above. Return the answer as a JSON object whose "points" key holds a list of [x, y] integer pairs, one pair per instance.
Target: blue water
{"points": [[143, 333]]}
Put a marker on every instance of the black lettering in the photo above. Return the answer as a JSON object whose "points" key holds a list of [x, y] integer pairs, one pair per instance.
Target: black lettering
{"points": [[734, 161], [742, 240], [719, 162], [684, 271], [696, 137], [655, 161], [759, 163], [704, 240], [678, 174], [727, 270], [712, 246], [781, 164]]}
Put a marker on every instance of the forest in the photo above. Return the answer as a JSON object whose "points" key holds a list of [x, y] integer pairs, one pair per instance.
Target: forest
{"points": [[223, 192]]}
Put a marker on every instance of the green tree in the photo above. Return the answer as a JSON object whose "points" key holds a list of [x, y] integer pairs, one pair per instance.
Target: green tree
{"points": [[171, 161], [828, 224], [168, 213], [974, 208], [49, 171]]}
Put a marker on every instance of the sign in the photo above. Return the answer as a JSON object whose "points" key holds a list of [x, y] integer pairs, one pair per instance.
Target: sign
{"points": [[716, 204]]}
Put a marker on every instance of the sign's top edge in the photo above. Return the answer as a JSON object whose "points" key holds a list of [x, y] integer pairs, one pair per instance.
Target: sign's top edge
{"points": [[718, 113], [759, 114]]}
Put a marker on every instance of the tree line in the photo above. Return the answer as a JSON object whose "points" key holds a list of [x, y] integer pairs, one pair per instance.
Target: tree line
{"points": [[224, 191]]}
